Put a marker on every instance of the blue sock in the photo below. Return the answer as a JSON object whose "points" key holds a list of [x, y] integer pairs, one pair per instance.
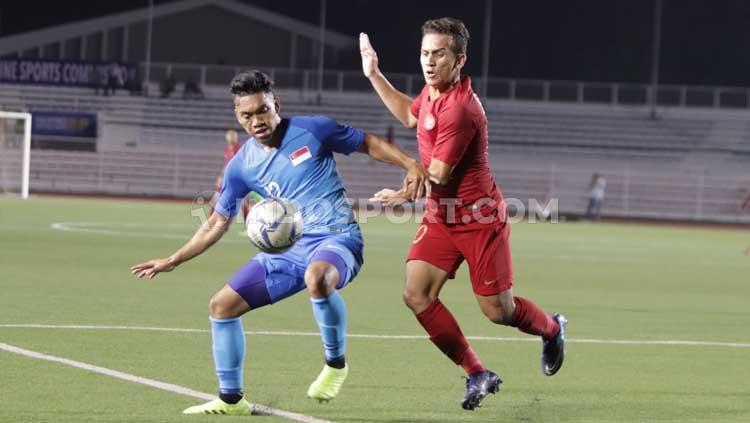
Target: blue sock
{"points": [[330, 313], [229, 353]]}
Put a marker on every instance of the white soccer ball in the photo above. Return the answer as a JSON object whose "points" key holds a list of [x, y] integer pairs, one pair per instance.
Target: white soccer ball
{"points": [[274, 225]]}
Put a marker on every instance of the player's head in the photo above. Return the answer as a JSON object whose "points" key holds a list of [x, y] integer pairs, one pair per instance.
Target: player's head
{"points": [[231, 137], [255, 105], [443, 51]]}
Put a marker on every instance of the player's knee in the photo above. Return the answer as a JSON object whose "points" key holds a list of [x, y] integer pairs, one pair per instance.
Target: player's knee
{"points": [[417, 300], [499, 316], [502, 315], [317, 280], [218, 308]]}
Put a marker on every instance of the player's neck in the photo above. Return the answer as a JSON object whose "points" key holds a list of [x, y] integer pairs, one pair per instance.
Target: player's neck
{"points": [[437, 91], [278, 135]]}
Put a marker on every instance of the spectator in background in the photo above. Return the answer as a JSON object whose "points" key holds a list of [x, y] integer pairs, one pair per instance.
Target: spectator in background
{"points": [[596, 196], [167, 85], [745, 205], [115, 79], [192, 90], [102, 81], [745, 202]]}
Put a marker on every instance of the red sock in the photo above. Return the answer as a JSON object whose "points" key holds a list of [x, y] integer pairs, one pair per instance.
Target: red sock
{"points": [[531, 319], [447, 336]]}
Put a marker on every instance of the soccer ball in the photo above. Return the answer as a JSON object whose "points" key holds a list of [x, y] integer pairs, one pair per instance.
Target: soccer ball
{"points": [[274, 225]]}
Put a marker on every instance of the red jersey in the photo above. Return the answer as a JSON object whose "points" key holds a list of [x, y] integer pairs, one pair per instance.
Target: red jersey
{"points": [[453, 129], [230, 151]]}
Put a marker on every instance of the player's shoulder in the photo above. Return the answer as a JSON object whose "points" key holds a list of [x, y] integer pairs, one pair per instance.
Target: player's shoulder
{"points": [[318, 126], [463, 103]]}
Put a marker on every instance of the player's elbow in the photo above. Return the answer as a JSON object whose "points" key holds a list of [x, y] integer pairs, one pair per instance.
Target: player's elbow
{"points": [[410, 122], [439, 178], [440, 173]]}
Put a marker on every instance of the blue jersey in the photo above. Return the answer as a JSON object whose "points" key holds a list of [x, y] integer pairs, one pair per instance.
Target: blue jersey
{"points": [[301, 169]]}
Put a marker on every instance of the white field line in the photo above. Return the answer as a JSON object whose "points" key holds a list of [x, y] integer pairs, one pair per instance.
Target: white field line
{"points": [[628, 253], [98, 229], [393, 337], [111, 229], [579, 251], [257, 408]]}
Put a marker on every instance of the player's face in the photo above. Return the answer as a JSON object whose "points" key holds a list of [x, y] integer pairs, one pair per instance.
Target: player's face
{"points": [[231, 137], [258, 113], [440, 65]]}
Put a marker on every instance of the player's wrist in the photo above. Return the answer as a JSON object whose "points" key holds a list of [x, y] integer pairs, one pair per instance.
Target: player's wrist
{"points": [[174, 260], [375, 74], [410, 163]]}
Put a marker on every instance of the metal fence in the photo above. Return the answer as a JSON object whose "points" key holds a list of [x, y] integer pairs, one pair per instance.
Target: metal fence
{"points": [[631, 192]]}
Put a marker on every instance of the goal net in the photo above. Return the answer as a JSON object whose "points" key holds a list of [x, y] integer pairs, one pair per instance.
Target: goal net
{"points": [[15, 151]]}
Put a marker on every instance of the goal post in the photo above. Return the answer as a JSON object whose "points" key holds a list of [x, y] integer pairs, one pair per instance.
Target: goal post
{"points": [[13, 138]]}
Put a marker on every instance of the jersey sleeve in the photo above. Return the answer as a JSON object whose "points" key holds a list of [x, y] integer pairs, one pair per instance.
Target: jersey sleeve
{"points": [[416, 105], [233, 188], [455, 131], [339, 138]]}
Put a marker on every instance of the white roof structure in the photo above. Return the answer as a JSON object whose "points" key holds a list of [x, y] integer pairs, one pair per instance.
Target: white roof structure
{"points": [[38, 39]]}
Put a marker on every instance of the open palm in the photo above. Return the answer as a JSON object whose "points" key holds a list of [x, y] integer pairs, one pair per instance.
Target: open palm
{"points": [[369, 57]]}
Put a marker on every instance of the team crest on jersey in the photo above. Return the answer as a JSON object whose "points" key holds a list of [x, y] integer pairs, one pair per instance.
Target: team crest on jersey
{"points": [[429, 121], [300, 155]]}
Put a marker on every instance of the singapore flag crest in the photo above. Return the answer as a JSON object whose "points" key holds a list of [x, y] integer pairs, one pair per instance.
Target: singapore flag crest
{"points": [[300, 155]]}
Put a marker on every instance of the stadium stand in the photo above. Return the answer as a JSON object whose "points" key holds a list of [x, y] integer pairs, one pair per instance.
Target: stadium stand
{"points": [[687, 164]]}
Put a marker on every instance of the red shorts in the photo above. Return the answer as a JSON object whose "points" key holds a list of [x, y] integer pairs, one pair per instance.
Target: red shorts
{"points": [[486, 250]]}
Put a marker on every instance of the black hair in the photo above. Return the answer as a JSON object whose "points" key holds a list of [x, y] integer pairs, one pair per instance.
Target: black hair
{"points": [[449, 26], [251, 82]]}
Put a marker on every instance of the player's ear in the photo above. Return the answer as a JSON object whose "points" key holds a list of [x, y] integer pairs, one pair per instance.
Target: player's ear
{"points": [[276, 103], [460, 61]]}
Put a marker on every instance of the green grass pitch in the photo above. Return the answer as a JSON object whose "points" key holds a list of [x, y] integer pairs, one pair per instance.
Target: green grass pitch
{"points": [[614, 282]]}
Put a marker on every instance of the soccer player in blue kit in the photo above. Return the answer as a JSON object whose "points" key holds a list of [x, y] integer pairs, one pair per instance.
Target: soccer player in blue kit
{"points": [[290, 158]]}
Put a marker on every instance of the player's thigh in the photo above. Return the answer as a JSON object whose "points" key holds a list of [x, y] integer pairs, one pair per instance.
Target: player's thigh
{"points": [[423, 282], [269, 278], [227, 303], [337, 259], [487, 252], [433, 245]]}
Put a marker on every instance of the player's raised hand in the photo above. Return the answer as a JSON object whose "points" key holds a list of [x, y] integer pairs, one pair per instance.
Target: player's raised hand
{"points": [[153, 267], [369, 57]]}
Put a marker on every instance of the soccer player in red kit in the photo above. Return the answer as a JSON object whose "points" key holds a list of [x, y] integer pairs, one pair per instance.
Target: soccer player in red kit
{"points": [[465, 214], [232, 147]]}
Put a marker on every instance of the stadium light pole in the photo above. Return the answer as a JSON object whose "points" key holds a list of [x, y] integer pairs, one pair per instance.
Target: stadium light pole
{"points": [[653, 97], [486, 47], [149, 34], [322, 51]]}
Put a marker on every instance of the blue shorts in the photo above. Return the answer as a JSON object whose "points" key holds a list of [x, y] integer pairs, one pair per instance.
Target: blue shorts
{"points": [[269, 278]]}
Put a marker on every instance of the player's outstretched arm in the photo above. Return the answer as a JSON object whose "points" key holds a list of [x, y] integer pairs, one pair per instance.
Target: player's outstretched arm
{"points": [[207, 235], [397, 102], [416, 182], [390, 198]]}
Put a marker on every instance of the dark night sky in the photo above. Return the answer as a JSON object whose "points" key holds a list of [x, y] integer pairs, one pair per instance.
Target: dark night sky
{"points": [[703, 41]]}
